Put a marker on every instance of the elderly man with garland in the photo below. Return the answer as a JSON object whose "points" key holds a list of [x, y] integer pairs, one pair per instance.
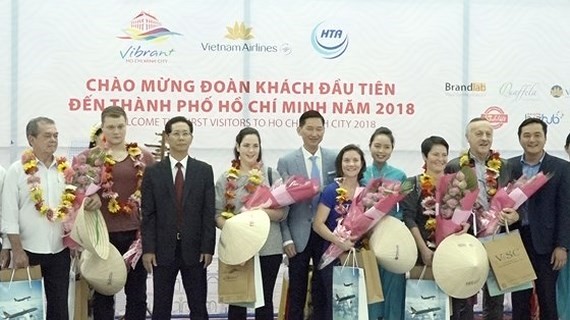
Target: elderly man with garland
{"points": [[492, 172], [120, 195], [33, 209]]}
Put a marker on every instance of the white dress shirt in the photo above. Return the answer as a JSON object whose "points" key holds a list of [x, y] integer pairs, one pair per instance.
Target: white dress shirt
{"points": [[173, 163], [19, 215]]}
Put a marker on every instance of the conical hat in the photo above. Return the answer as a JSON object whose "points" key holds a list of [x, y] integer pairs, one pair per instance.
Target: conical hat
{"points": [[460, 265], [243, 236], [106, 276], [90, 232], [393, 245]]}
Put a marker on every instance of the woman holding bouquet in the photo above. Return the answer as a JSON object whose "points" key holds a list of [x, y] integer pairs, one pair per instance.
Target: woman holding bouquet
{"points": [[419, 205], [232, 189], [336, 198], [394, 285]]}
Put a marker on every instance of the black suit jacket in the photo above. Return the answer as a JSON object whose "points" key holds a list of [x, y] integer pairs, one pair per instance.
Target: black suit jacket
{"points": [[159, 218], [549, 207], [505, 174]]}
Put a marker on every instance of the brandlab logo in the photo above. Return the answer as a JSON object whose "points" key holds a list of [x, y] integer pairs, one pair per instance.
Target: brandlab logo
{"points": [[329, 40]]}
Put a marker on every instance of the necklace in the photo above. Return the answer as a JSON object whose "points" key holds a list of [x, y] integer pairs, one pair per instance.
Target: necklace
{"points": [[134, 200], [254, 179], [30, 165], [492, 169]]}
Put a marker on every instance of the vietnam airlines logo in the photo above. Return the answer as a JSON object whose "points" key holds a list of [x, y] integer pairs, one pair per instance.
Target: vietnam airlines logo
{"points": [[239, 32], [145, 27]]}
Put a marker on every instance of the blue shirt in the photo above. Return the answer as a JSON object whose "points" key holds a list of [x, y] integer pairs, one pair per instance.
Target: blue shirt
{"points": [[387, 172], [529, 171]]}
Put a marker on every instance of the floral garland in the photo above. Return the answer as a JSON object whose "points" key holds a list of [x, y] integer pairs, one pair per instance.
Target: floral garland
{"points": [[30, 165], [427, 187], [134, 199], [493, 167], [341, 199], [255, 178]]}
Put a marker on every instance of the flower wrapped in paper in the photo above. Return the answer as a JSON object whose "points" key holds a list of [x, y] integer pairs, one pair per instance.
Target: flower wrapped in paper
{"points": [[366, 210], [455, 196], [511, 196], [295, 189], [134, 253]]}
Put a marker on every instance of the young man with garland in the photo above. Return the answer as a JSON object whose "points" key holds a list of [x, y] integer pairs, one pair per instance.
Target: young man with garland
{"points": [[33, 209], [120, 195], [492, 172]]}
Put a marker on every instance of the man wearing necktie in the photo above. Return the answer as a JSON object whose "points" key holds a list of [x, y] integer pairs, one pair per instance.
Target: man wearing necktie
{"points": [[178, 228], [300, 242]]}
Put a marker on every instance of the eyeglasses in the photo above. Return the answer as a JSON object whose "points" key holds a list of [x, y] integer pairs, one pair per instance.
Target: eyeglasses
{"points": [[177, 134]]}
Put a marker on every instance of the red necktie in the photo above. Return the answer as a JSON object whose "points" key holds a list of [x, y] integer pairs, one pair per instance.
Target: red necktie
{"points": [[179, 188]]}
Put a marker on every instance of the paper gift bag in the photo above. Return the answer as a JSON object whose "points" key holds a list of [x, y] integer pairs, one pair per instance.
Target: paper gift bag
{"points": [[81, 299], [425, 300], [349, 293], [282, 314], [241, 285], [22, 293], [509, 261], [494, 289], [367, 260]]}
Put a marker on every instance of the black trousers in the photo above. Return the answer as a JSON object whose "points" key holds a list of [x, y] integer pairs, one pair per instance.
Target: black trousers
{"points": [[298, 281], [545, 284], [193, 280], [135, 287], [269, 270], [55, 270]]}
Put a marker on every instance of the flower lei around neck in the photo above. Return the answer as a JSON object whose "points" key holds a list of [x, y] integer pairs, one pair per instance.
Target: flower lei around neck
{"points": [[492, 169], [254, 179], [134, 200], [30, 165], [427, 187]]}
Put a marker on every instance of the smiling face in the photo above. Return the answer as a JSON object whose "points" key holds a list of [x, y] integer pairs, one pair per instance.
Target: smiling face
{"points": [[480, 137], [532, 139], [351, 164], [114, 130], [381, 148], [248, 150], [436, 159], [312, 133]]}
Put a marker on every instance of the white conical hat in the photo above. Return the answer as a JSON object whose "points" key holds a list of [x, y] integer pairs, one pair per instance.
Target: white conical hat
{"points": [[106, 276], [90, 232], [460, 265], [393, 245], [243, 236]]}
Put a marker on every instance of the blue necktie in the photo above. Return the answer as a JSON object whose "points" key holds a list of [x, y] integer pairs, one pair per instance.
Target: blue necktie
{"points": [[315, 175]]}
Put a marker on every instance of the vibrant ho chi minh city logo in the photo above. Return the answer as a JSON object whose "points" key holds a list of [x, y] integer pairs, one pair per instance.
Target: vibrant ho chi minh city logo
{"points": [[147, 29], [242, 39], [329, 40]]}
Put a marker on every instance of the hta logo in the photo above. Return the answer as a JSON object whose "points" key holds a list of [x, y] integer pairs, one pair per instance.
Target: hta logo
{"points": [[239, 32], [329, 40], [145, 27], [496, 116]]}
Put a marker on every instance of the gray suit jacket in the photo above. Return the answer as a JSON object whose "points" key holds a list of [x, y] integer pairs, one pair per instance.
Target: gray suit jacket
{"points": [[298, 224]]}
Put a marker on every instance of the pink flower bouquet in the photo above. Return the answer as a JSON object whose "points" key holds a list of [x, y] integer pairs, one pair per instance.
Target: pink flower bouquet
{"points": [[367, 208], [295, 189], [511, 196], [455, 196], [134, 253]]}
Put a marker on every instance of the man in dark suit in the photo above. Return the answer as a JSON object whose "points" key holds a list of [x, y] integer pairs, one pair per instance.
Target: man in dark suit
{"points": [[484, 162], [300, 242], [178, 228], [544, 222]]}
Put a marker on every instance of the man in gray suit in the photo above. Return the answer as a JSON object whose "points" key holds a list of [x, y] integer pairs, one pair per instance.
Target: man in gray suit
{"points": [[300, 242]]}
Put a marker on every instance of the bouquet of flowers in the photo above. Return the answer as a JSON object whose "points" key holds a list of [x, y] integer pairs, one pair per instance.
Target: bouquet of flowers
{"points": [[455, 196], [295, 189], [85, 174], [367, 208], [134, 253], [511, 196]]}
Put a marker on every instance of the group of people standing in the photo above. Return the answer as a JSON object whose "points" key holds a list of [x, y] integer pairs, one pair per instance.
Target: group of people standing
{"points": [[176, 205]]}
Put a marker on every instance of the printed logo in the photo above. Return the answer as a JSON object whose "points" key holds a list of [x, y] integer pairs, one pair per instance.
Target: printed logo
{"points": [[148, 29], [329, 40], [473, 88], [238, 33], [556, 91], [496, 116], [526, 91], [554, 118]]}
